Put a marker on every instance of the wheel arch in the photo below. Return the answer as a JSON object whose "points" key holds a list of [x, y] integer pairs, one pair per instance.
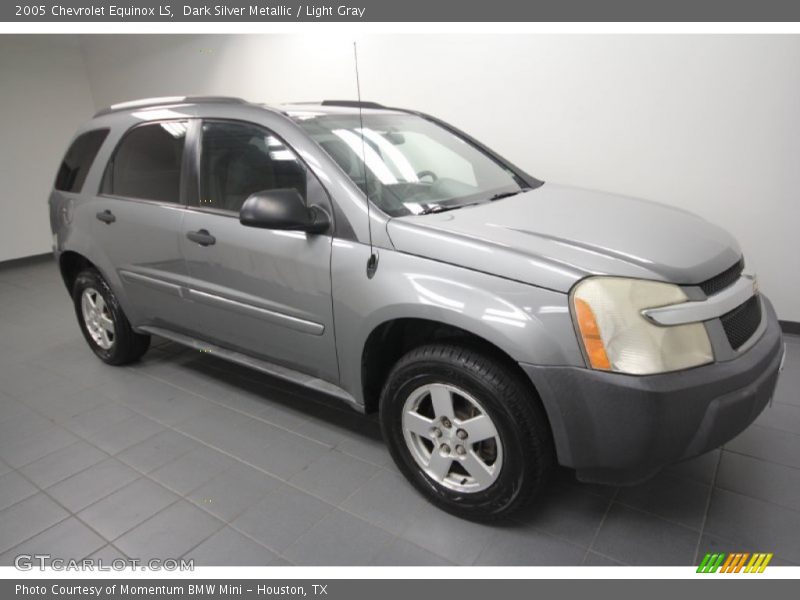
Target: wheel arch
{"points": [[391, 339], [70, 264]]}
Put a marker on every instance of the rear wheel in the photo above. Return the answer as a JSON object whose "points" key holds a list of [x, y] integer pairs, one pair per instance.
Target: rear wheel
{"points": [[466, 430], [103, 323]]}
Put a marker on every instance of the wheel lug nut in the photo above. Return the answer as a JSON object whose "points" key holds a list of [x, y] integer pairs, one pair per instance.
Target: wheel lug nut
{"points": [[436, 432], [446, 422], [460, 450], [462, 434], [445, 449]]}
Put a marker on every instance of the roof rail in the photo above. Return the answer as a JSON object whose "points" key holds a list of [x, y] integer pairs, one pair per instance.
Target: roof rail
{"points": [[148, 102], [352, 104]]}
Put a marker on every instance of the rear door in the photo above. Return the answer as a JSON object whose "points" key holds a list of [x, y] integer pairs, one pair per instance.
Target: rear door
{"points": [[263, 292], [138, 221]]}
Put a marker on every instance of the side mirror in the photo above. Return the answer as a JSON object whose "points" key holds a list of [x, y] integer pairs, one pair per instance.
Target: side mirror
{"points": [[283, 209]]}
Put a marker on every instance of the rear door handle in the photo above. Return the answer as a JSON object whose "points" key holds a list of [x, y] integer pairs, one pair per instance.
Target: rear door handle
{"points": [[106, 217], [201, 237]]}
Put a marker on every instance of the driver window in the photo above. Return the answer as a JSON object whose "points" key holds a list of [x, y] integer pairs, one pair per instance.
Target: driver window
{"points": [[237, 160]]}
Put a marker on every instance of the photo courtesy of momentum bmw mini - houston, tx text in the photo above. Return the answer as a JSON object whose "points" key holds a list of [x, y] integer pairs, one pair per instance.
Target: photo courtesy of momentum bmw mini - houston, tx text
{"points": [[494, 334]]}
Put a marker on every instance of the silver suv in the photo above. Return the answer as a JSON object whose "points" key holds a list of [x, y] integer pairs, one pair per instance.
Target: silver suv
{"points": [[498, 325]]}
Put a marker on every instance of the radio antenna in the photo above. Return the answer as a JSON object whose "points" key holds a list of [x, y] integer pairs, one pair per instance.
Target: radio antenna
{"points": [[372, 261]]}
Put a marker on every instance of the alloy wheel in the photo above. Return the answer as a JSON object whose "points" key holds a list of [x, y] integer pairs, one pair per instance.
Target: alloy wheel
{"points": [[452, 438], [97, 318]]}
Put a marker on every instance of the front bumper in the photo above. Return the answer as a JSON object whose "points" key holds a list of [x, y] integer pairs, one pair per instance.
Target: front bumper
{"points": [[621, 429]]}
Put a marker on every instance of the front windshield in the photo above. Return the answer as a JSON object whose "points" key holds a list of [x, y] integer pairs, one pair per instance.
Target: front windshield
{"points": [[411, 166]]}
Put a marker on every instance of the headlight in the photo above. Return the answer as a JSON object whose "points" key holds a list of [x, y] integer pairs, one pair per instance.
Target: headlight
{"points": [[617, 337]]}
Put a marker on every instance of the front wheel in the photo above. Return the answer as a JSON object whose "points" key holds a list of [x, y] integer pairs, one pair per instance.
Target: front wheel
{"points": [[103, 323], [466, 430]]}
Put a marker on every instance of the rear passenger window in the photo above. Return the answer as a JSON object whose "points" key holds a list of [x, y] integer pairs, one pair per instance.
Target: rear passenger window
{"points": [[147, 163], [79, 158]]}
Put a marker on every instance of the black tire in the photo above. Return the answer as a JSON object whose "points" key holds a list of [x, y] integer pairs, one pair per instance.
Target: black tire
{"points": [[511, 403], [128, 346]]}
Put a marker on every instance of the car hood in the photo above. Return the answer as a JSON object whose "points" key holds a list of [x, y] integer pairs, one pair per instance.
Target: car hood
{"points": [[555, 235]]}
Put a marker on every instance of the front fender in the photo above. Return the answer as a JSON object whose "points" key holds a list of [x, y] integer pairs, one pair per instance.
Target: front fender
{"points": [[530, 324]]}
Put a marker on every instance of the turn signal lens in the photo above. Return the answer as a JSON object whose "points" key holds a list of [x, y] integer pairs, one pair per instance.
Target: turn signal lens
{"points": [[590, 332]]}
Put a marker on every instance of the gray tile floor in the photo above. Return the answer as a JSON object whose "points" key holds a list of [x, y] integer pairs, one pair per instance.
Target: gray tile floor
{"points": [[183, 455]]}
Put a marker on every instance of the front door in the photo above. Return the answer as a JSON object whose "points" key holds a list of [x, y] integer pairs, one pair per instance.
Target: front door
{"points": [[262, 292]]}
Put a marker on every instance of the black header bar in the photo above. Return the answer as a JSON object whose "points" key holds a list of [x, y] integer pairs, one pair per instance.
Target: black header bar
{"points": [[400, 11]]}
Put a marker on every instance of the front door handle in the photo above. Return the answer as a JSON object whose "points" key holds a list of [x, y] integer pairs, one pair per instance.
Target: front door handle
{"points": [[106, 217], [201, 237]]}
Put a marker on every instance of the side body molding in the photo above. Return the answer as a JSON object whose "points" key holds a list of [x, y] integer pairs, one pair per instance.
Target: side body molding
{"points": [[188, 293]]}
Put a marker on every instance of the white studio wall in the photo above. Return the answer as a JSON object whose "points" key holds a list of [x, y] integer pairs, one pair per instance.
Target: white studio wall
{"points": [[704, 122], [44, 95]]}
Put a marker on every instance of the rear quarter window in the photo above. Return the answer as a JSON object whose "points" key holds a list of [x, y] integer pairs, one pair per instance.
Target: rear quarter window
{"points": [[78, 160]]}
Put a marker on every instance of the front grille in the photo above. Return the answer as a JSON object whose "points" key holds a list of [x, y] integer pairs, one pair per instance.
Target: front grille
{"points": [[741, 323], [723, 280]]}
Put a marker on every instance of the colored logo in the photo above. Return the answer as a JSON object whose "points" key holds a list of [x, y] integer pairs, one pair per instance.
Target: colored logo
{"points": [[735, 562]]}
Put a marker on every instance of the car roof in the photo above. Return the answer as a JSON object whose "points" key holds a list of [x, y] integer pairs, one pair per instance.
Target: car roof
{"points": [[336, 107], [324, 107]]}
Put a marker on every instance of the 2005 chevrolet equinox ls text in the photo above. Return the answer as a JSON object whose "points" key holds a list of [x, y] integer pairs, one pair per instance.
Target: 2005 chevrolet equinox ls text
{"points": [[497, 324]]}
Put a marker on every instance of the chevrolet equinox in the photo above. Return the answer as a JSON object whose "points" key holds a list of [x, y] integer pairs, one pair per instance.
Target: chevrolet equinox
{"points": [[497, 324]]}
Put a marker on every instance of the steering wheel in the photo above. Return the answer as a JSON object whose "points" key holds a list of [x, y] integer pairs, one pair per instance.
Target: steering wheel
{"points": [[430, 174]]}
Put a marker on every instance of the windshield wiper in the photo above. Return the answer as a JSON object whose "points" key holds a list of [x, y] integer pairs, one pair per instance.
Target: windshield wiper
{"points": [[502, 195], [437, 208]]}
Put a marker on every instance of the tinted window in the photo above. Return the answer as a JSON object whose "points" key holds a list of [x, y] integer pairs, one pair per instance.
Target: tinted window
{"points": [[147, 163], [79, 158], [238, 160]]}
